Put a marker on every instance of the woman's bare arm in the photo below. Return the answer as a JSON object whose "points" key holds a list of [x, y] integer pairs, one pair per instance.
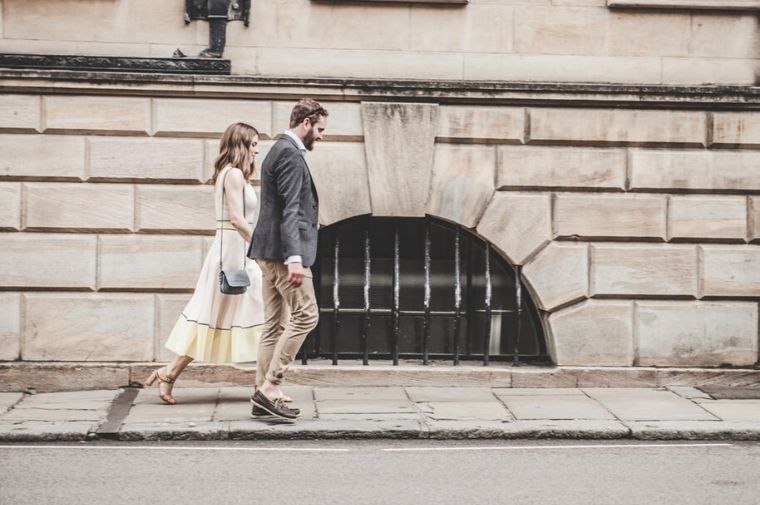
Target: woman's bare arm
{"points": [[233, 186]]}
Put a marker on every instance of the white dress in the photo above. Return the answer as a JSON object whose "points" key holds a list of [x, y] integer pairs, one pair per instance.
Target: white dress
{"points": [[215, 327]]}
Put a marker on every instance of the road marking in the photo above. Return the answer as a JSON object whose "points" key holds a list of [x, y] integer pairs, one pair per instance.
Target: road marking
{"points": [[552, 447], [173, 448]]}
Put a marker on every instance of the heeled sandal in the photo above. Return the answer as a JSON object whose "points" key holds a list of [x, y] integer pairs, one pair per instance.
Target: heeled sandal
{"points": [[162, 379]]}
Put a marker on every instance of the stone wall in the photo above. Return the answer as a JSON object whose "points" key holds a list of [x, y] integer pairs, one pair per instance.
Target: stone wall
{"points": [[638, 228], [513, 40]]}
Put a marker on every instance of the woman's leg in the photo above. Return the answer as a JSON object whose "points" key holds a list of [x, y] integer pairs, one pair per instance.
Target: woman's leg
{"points": [[166, 377]]}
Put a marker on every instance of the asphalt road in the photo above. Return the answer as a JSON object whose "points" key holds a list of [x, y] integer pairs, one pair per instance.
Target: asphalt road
{"points": [[382, 472]]}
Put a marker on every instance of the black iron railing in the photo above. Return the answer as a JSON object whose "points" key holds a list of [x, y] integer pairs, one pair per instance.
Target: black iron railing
{"points": [[400, 288]]}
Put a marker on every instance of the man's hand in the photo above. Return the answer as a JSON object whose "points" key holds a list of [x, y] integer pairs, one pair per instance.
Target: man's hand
{"points": [[295, 274]]}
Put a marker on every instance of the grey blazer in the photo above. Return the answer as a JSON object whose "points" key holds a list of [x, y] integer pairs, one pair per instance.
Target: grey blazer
{"points": [[289, 214]]}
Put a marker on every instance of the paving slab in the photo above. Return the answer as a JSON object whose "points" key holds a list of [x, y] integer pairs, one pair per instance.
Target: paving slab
{"points": [[69, 400], [37, 431], [538, 392], [359, 393], [59, 415], [8, 400], [468, 411], [733, 410], [688, 392], [556, 407], [444, 394], [370, 417], [183, 396], [194, 412], [648, 404], [694, 430], [364, 407]]}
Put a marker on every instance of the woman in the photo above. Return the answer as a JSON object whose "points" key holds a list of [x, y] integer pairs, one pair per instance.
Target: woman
{"points": [[216, 327]]}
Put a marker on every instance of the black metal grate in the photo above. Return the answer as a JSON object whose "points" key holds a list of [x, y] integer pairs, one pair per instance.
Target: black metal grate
{"points": [[407, 288]]}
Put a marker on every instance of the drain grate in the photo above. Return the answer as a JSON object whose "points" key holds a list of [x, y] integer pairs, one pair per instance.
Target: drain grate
{"points": [[724, 393]]}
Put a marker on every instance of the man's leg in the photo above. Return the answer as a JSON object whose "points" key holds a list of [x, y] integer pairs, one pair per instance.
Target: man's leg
{"points": [[304, 315], [274, 312]]}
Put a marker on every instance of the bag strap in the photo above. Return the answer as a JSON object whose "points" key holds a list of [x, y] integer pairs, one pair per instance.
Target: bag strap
{"points": [[221, 235]]}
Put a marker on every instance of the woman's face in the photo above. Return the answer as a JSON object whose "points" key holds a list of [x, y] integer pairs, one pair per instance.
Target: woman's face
{"points": [[253, 150]]}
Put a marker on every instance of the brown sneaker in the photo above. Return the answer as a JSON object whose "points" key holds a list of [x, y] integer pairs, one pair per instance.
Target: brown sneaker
{"points": [[275, 408], [259, 413]]}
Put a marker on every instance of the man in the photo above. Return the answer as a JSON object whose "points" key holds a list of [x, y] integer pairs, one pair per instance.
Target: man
{"points": [[284, 245]]}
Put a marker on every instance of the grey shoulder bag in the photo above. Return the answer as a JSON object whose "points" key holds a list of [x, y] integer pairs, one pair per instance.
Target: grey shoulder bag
{"points": [[232, 282]]}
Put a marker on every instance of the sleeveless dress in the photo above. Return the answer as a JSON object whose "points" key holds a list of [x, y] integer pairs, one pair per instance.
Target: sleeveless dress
{"points": [[215, 327]]}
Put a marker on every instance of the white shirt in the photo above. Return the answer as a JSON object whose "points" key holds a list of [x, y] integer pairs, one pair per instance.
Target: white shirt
{"points": [[299, 143]]}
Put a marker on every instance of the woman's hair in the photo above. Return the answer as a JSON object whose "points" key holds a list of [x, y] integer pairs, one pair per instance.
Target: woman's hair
{"points": [[234, 149]]}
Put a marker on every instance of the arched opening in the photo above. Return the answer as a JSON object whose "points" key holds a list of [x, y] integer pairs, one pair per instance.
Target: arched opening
{"points": [[422, 289]]}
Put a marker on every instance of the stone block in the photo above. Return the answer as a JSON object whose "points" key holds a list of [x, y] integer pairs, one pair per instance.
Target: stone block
{"points": [[463, 182], [149, 262], [707, 28], [47, 261], [491, 124], [10, 327], [10, 206], [708, 71], [97, 114], [643, 270], [200, 117], [696, 333], [52, 157], [642, 34], [754, 218], [636, 404], [344, 121], [168, 311], [88, 327], [556, 407], [595, 333], [617, 126], [79, 206], [137, 159], [77, 20], [517, 223], [339, 170], [20, 113], [561, 68], [736, 129], [603, 216], [560, 167], [558, 275], [730, 270], [695, 170], [399, 143], [175, 208], [707, 217], [478, 28], [561, 30]]}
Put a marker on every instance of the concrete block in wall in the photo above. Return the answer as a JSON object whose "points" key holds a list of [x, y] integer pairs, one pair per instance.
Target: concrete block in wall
{"points": [[201, 117], [617, 126], [344, 121], [339, 170], [561, 167], [50, 157], [754, 218], [149, 262], [696, 333], [88, 327], [517, 223], [10, 206], [47, 261], [168, 311], [10, 326], [463, 182], [730, 270], [695, 170], [558, 274], [175, 208], [601, 216], [707, 217], [594, 333], [643, 270], [736, 129], [51, 206], [97, 114], [467, 122], [560, 30], [20, 113], [146, 159]]}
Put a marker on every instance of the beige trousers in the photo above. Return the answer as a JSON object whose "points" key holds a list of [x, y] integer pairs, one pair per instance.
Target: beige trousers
{"points": [[290, 313]]}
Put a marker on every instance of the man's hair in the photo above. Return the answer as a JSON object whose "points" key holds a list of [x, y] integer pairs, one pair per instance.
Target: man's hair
{"points": [[307, 108]]}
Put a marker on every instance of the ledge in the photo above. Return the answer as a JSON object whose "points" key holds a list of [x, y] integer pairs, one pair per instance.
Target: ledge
{"points": [[722, 5], [484, 92]]}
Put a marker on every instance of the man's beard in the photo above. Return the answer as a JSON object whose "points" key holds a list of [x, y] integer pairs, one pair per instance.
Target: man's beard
{"points": [[308, 141]]}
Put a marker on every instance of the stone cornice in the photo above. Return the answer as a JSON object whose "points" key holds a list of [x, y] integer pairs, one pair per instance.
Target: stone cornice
{"points": [[472, 92]]}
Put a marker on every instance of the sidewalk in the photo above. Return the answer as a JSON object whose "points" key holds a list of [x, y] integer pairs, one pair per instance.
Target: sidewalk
{"points": [[383, 412]]}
